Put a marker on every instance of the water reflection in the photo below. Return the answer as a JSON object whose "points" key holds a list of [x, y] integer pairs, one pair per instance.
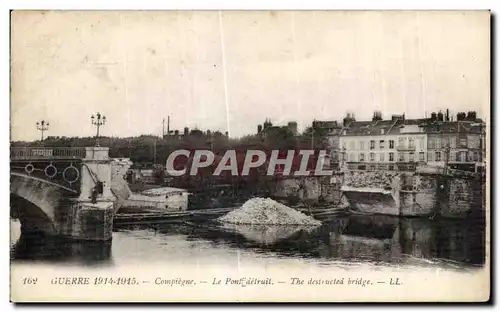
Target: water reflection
{"points": [[266, 234], [377, 239], [42, 248], [380, 239]]}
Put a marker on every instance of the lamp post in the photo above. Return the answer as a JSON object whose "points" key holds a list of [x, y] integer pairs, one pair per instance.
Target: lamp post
{"points": [[42, 126], [98, 121]]}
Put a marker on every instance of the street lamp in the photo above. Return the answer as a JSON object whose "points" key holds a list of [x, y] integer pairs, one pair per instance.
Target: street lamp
{"points": [[42, 126], [98, 121]]}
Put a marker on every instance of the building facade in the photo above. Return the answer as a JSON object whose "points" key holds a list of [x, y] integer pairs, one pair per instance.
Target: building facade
{"points": [[395, 144], [404, 144], [457, 144]]}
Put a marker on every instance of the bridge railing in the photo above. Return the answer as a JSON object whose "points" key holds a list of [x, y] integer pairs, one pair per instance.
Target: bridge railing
{"points": [[21, 153]]}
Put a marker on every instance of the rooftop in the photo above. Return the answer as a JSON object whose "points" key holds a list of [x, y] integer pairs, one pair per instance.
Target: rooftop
{"points": [[401, 125]]}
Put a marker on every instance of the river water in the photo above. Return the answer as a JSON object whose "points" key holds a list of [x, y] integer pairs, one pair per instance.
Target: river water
{"points": [[341, 240]]}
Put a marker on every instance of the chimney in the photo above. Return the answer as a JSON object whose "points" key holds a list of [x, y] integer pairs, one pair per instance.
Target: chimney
{"points": [[186, 131], [377, 116], [471, 115], [433, 116], [348, 119], [440, 116], [447, 115]]}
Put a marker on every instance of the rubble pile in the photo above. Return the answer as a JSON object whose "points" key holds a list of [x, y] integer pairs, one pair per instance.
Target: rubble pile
{"points": [[377, 179], [265, 211]]}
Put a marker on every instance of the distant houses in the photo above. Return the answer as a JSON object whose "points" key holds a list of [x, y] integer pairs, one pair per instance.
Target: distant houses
{"points": [[398, 143]]}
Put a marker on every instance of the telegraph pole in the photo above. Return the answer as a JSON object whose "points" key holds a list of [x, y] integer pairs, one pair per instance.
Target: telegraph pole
{"points": [[42, 126]]}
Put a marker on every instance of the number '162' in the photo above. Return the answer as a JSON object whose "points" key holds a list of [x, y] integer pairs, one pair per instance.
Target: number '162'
{"points": [[30, 280]]}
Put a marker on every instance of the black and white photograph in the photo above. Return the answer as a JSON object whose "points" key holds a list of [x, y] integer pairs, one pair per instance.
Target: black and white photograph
{"points": [[250, 156]]}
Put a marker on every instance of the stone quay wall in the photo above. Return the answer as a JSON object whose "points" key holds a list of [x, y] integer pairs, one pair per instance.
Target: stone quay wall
{"points": [[417, 194], [310, 189], [449, 196]]}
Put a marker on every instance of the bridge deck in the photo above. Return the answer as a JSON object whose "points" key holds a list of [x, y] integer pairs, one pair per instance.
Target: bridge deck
{"points": [[46, 153]]}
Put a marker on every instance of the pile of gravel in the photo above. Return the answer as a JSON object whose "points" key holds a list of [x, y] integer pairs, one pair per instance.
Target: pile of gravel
{"points": [[265, 211]]}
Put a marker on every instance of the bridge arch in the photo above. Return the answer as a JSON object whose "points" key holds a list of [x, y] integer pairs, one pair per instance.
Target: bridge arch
{"points": [[42, 199]]}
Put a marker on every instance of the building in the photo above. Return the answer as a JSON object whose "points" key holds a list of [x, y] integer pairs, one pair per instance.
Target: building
{"points": [[326, 133], [456, 144], [175, 135], [403, 144], [267, 129], [394, 144]]}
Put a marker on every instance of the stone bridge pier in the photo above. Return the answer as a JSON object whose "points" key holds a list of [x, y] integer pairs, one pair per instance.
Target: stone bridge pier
{"points": [[64, 192]]}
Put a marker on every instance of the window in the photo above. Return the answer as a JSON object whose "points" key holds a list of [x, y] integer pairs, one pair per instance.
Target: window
{"points": [[401, 142], [412, 156], [381, 144], [453, 142], [334, 156], [391, 144], [453, 156], [471, 156], [431, 142], [361, 145], [475, 156], [372, 167], [463, 142], [472, 141], [381, 156], [372, 156], [372, 144], [391, 167], [361, 156], [438, 156], [351, 144], [421, 156], [391, 156], [401, 157], [412, 143], [463, 156], [429, 157], [445, 142], [438, 143]]}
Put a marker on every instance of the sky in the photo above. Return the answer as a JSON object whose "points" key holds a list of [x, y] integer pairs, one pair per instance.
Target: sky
{"points": [[231, 70]]}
